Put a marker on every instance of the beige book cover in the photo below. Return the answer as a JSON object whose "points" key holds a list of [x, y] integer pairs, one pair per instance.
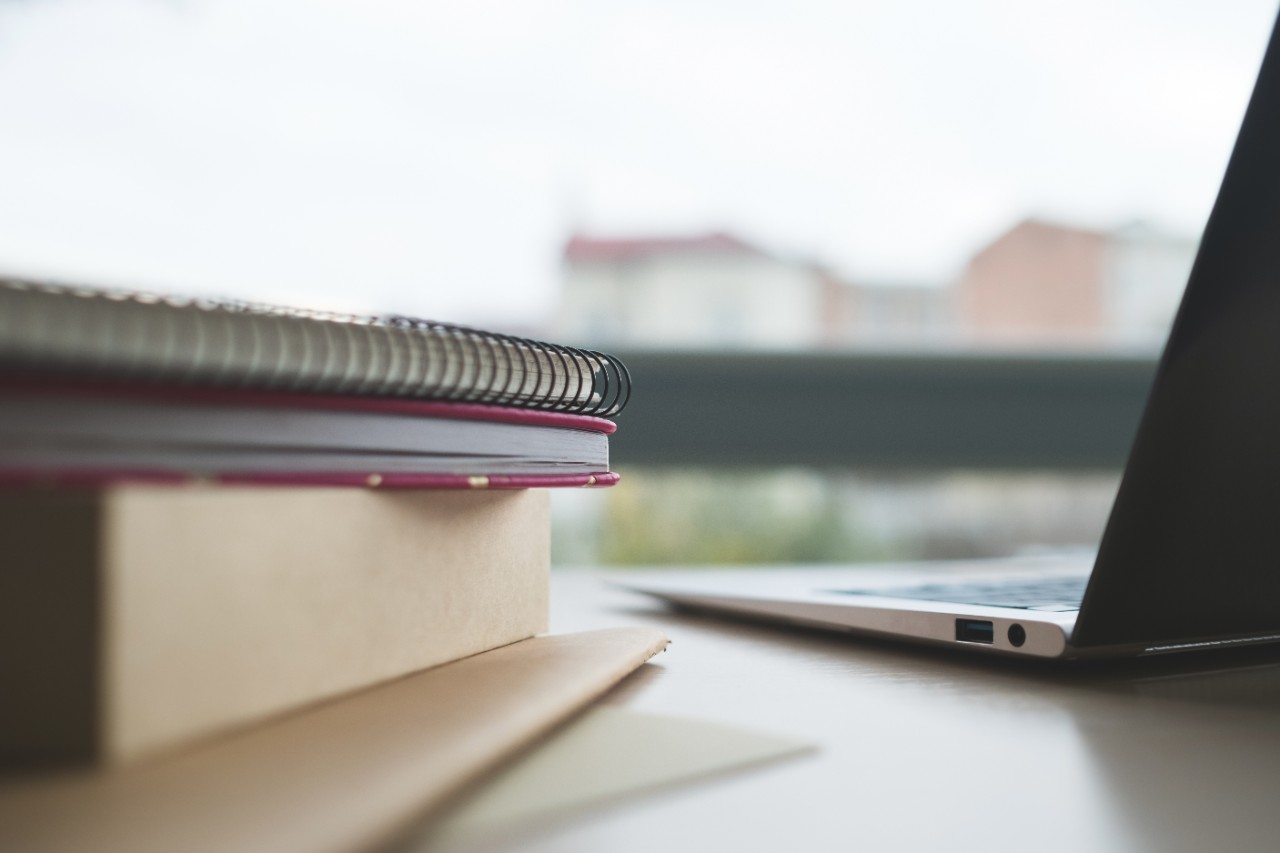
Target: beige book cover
{"points": [[136, 618]]}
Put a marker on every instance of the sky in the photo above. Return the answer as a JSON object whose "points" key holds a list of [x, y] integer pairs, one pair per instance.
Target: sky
{"points": [[431, 158]]}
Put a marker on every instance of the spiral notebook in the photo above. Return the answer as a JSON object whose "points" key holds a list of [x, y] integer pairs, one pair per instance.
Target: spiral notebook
{"points": [[104, 386], [57, 329]]}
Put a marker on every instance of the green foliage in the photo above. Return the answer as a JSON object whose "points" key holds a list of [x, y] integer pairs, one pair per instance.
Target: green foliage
{"points": [[685, 518]]}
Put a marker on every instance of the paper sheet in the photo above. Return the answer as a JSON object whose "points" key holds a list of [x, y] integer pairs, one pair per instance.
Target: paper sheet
{"points": [[605, 756]]}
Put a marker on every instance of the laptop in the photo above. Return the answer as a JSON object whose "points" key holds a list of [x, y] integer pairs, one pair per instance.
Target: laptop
{"points": [[1190, 555]]}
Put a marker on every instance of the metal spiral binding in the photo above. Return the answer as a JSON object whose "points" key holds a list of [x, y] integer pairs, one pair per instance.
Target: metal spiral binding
{"points": [[232, 342], [603, 390]]}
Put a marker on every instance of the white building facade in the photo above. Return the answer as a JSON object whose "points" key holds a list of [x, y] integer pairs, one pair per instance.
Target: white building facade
{"points": [[710, 291]]}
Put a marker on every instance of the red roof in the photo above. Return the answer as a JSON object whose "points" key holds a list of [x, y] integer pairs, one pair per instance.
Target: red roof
{"points": [[583, 248]]}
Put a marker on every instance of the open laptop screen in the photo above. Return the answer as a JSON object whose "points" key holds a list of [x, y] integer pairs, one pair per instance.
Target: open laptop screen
{"points": [[1192, 547]]}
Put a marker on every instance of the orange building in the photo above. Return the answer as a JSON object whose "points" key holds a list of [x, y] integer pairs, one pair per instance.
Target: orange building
{"points": [[1042, 284]]}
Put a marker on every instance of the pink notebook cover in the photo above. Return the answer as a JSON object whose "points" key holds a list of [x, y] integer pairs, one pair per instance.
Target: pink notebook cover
{"points": [[94, 477], [240, 397]]}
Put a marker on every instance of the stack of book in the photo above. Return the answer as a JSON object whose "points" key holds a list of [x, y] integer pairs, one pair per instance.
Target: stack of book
{"points": [[214, 513]]}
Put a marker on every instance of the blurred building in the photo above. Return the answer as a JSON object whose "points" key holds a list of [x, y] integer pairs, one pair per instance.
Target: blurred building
{"points": [[710, 291], [1046, 284], [895, 315], [715, 291], [1038, 285]]}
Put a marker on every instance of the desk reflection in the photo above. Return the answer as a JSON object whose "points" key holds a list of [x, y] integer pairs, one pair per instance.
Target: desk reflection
{"points": [[924, 749]]}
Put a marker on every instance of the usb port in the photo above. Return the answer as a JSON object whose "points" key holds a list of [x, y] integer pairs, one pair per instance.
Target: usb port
{"points": [[975, 631]]}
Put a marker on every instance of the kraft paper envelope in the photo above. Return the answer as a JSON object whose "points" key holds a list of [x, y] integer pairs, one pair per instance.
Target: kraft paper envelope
{"points": [[347, 774]]}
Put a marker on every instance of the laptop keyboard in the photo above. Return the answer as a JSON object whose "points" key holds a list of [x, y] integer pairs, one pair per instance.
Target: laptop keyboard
{"points": [[1048, 594]]}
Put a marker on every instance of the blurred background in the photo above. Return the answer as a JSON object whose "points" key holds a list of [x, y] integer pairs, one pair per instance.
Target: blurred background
{"points": [[891, 277]]}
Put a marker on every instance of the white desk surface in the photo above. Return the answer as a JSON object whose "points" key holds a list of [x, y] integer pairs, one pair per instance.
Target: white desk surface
{"points": [[925, 749]]}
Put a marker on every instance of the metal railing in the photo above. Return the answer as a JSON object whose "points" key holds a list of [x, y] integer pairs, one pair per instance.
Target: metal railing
{"points": [[881, 411]]}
